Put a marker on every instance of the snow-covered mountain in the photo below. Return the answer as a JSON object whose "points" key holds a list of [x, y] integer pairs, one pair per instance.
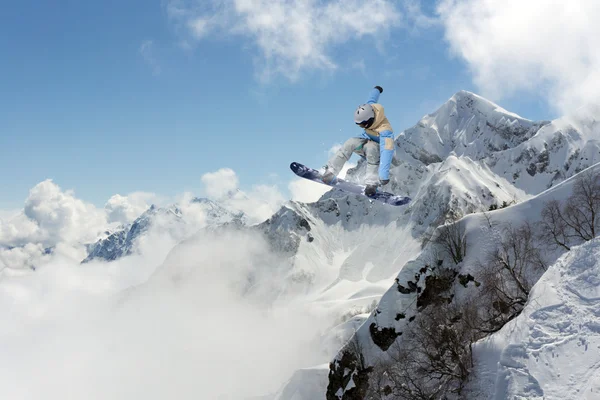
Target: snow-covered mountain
{"points": [[173, 219], [531, 155], [467, 125], [400, 307], [468, 157]]}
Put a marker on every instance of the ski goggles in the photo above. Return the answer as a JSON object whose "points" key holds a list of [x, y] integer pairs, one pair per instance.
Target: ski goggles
{"points": [[366, 124]]}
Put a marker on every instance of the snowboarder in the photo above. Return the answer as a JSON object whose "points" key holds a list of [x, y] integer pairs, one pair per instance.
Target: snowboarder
{"points": [[376, 145]]}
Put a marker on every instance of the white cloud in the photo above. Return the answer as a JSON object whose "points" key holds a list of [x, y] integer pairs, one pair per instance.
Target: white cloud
{"points": [[18, 230], [147, 52], [417, 19], [185, 330], [22, 257], [61, 216], [151, 328], [51, 216], [534, 46], [291, 36], [259, 203], [125, 209], [220, 183], [200, 27], [8, 214]]}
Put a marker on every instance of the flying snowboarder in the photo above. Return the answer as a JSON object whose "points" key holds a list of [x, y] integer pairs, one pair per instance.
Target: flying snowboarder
{"points": [[375, 144]]}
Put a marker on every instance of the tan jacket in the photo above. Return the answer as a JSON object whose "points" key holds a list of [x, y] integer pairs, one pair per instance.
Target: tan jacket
{"points": [[381, 122]]}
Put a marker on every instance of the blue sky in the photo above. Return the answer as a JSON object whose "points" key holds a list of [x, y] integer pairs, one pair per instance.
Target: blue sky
{"points": [[115, 97]]}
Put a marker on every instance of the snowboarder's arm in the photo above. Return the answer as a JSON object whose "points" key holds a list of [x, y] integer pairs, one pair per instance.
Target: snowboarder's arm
{"points": [[386, 151], [374, 95]]}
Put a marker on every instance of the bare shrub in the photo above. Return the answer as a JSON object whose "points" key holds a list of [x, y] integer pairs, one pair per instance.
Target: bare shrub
{"points": [[452, 239], [508, 274], [553, 228], [434, 359], [583, 208], [490, 222], [578, 219]]}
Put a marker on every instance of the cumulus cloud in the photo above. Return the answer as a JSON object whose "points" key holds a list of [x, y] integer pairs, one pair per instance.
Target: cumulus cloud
{"points": [[8, 214], [259, 203], [220, 183], [51, 216], [124, 209], [19, 230], [27, 256], [291, 36], [535, 46], [62, 216]]}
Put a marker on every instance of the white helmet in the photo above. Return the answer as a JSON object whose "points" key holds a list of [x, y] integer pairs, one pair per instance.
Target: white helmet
{"points": [[364, 116]]}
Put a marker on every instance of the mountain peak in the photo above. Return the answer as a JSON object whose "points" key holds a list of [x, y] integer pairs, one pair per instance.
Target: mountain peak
{"points": [[467, 124], [466, 100]]}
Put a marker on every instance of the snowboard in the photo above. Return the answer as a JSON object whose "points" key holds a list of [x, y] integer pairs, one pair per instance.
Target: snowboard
{"points": [[313, 175]]}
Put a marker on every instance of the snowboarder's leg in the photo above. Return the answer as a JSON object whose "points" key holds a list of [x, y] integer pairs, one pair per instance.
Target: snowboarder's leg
{"points": [[337, 161], [372, 153]]}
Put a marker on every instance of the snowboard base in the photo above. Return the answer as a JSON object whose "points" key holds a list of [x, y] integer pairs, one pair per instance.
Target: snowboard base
{"points": [[313, 175]]}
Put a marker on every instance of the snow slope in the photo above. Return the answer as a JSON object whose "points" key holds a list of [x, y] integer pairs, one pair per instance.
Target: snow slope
{"points": [[483, 232], [551, 350]]}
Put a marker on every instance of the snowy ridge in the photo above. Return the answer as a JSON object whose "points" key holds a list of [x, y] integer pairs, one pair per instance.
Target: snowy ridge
{"points": [[121, 242], [462, 185], [558, 150]]}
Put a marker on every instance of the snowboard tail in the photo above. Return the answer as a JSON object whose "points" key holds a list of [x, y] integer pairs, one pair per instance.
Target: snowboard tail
{"points": [[313, 175]]}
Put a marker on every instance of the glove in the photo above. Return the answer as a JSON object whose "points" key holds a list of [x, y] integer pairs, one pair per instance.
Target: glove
{"points": [[379, 88], [370, 190], [384, 182]]}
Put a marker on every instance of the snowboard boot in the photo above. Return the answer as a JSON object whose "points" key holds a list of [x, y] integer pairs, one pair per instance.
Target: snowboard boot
{"points": [[370, 190]]}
